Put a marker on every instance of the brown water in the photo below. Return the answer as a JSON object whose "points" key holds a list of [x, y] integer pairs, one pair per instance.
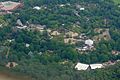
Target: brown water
{"points": [[5, 76]]}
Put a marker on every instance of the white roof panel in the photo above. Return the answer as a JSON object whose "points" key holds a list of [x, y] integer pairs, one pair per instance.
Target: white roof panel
{"points": [[81, 66], [95, 66]]}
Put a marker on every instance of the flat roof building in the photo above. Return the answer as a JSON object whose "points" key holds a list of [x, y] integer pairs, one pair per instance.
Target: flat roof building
{"points": [[81, 66], [96, 66]]}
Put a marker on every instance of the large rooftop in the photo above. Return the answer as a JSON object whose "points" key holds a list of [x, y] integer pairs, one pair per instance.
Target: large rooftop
{"points": [[81, 66]]}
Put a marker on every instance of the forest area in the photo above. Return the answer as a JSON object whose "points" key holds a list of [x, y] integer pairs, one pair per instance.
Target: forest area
{"points": [[43, 56]]}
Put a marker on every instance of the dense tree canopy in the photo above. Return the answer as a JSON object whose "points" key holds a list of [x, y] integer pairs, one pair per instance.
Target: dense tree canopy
{"points": [[43, 59]]}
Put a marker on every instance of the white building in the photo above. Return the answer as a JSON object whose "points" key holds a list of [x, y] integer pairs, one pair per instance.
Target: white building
{"points": [[89, 42], [82, 9], [21, 27], [81, 66], [19, 23], [62, 5], [37, 7], [95, 66], [1, 25], [27, 45]]}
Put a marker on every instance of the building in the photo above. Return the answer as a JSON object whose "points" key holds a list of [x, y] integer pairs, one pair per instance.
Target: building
{"points": [[81, 66], [19, 23], [96, 66], [109, 63], [11, 40], [1, 25], [27, 45], [82, 9], [9, 5], [62, 5], [83, 36], [23, 27], [89, 42], [11, 64], [114, 52]]}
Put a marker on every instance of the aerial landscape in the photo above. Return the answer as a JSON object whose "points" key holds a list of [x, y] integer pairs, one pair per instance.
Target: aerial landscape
{"points": [[59, 39]]}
